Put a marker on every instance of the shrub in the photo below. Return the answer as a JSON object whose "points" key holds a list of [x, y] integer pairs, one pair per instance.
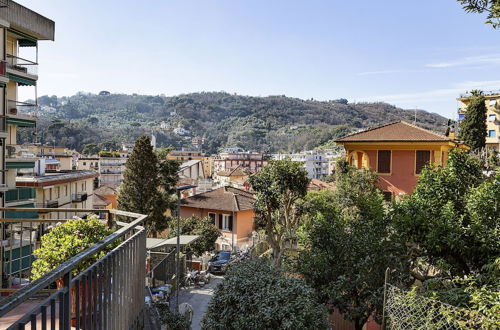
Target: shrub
{"points": [[67, 240], [254, 295]]}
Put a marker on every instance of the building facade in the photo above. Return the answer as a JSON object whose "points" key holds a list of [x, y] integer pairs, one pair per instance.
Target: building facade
{"points": [[316, 164], [252, 162], [230, 209], [397, 152], [111, 168], [492, 101]]}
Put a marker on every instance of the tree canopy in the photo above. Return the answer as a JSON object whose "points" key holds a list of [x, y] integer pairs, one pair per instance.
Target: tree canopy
{"points": [[473, 127], [278, 187], [491, 7], [139, 191], [204, 227], [255, 295], [347, 247]]}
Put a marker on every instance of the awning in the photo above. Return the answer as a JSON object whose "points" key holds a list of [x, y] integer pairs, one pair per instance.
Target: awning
{"points": [[21, 80], [15, 164], [25, 40], [21, 122], [153, 243]]}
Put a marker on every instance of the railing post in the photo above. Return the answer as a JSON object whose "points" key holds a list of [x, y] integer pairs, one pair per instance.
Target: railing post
{"points": [[67, 301]]}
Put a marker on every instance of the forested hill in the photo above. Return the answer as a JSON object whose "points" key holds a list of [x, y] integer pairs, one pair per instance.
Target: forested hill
{"points": [[273, 123]]}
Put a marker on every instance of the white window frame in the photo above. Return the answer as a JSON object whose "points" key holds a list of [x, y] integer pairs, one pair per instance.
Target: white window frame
{"points": [[225, 222]]}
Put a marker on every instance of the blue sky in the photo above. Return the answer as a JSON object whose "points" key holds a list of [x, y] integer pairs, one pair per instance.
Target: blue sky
{"points": [[408, 53]]}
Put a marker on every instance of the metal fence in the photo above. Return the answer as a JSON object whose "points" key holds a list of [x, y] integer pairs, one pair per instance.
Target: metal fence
{"points": [[407, 310], [107, 295]]}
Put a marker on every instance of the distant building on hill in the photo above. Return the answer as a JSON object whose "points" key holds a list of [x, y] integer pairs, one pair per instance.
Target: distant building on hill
{"points": [[250, 161], [397, 152], [104, 93]]}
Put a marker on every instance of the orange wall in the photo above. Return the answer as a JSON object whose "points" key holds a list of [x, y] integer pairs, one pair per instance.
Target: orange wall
{"points": [[402, 179], [243, 222]]}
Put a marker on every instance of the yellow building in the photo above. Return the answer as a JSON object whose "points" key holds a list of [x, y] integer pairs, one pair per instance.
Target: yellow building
{"points": [[63, 189], [492, 117]]}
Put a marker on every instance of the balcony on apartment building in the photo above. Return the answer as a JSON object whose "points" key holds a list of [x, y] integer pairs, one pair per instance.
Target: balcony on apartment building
{"points": [[20, 196], [111, 163], [18, 113], [109, 294], [22, 67], [19, 157], [116, 171], [79, 197], [51, 204]]}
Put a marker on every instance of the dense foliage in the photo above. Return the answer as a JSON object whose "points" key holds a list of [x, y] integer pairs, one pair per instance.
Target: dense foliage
{"points": [[140, 191], [66, 241], [274, 123], [254, 295], [473, 128], [452, 219], [347, 248], [278, 188], [205, 228], [491, 7]]}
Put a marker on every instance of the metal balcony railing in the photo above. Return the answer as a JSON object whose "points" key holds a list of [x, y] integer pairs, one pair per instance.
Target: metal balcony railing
{"points": [[22, 65], [79, 197], [48, 204], [111, 172], [107, 295]]}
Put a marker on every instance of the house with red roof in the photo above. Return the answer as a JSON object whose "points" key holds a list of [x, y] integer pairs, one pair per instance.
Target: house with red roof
{"points": [[397, 152], [231, 210]]}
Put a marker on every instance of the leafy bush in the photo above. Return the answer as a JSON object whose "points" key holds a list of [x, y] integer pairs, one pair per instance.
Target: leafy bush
{"points": [[254, 295], [173, 321], [67, 240], [207, 231]]}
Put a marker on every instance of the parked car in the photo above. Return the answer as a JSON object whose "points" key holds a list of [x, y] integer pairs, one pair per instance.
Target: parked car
{"points": [[220, 262]]}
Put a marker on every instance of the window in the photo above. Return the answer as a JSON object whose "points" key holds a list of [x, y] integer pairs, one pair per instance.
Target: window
{"points": [[58, 192], [226, 222], [461, 116], [387, 196], [492, 117], [422, 158], [84, 163], [493, 102], [212, 216], [384, 161], [492, 133]]}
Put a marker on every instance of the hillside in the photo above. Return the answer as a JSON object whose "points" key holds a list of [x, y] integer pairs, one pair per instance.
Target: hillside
{"points": [[273, 123]]}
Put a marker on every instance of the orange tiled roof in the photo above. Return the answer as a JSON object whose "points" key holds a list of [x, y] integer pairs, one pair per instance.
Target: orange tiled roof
{"points": [[399, 131], [225, 199]]}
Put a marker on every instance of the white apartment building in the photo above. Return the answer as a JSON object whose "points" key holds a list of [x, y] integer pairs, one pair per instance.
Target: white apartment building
{"points": [[316, 165]]}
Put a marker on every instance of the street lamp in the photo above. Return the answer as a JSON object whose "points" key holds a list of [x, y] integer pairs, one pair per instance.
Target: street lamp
{"points": [[178, 245]]}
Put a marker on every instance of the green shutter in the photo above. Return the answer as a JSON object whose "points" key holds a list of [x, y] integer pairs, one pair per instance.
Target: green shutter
{"points": [[21, 80]]}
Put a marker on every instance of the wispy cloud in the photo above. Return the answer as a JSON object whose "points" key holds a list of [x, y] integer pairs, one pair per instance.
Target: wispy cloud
{"points": [[384, 72], [493, 59], [436, 95]]}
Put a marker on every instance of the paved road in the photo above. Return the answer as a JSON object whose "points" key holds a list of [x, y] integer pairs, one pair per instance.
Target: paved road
{"points": [[199, 299]]}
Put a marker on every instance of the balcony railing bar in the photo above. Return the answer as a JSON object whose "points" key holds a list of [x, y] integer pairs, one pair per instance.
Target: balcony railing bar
{"points": [[64, 270], [22, 64]]}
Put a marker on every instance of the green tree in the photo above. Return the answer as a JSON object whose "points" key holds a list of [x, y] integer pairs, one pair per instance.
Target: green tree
{"points": [[348, 249], [473, 126], [205, 228], [91, 149], [278, 188], [491, 7], [139, 191], [452, 219], [255, 295]]}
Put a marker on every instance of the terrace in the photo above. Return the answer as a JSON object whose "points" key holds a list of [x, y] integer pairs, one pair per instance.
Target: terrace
{"points": [[111, 290]]}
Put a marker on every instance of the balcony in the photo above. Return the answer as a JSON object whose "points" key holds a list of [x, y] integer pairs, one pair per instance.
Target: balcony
{"points": [[17, 116], [79, 197], [48, 204], [114, 301], [18, 157], [106, 164], [21, 66], [111, 172]]}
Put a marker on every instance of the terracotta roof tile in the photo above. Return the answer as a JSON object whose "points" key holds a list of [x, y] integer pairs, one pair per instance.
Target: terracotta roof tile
{"points": [[225, 199], [395, 132]]}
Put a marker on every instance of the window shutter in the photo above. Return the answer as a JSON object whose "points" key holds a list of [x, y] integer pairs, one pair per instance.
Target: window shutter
{"points": [[220, 221], [384, 161], [422, 158], [230, 223]]}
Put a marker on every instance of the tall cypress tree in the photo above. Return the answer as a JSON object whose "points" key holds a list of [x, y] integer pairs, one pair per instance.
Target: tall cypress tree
{"points": [[473, 126], [139, 191]]}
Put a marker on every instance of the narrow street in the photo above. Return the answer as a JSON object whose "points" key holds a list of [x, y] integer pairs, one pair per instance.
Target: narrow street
{"points": [[199, 298]]}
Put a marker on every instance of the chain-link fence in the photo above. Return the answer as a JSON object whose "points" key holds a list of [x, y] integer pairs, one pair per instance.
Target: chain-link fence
{"points": [[407, 310]]}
